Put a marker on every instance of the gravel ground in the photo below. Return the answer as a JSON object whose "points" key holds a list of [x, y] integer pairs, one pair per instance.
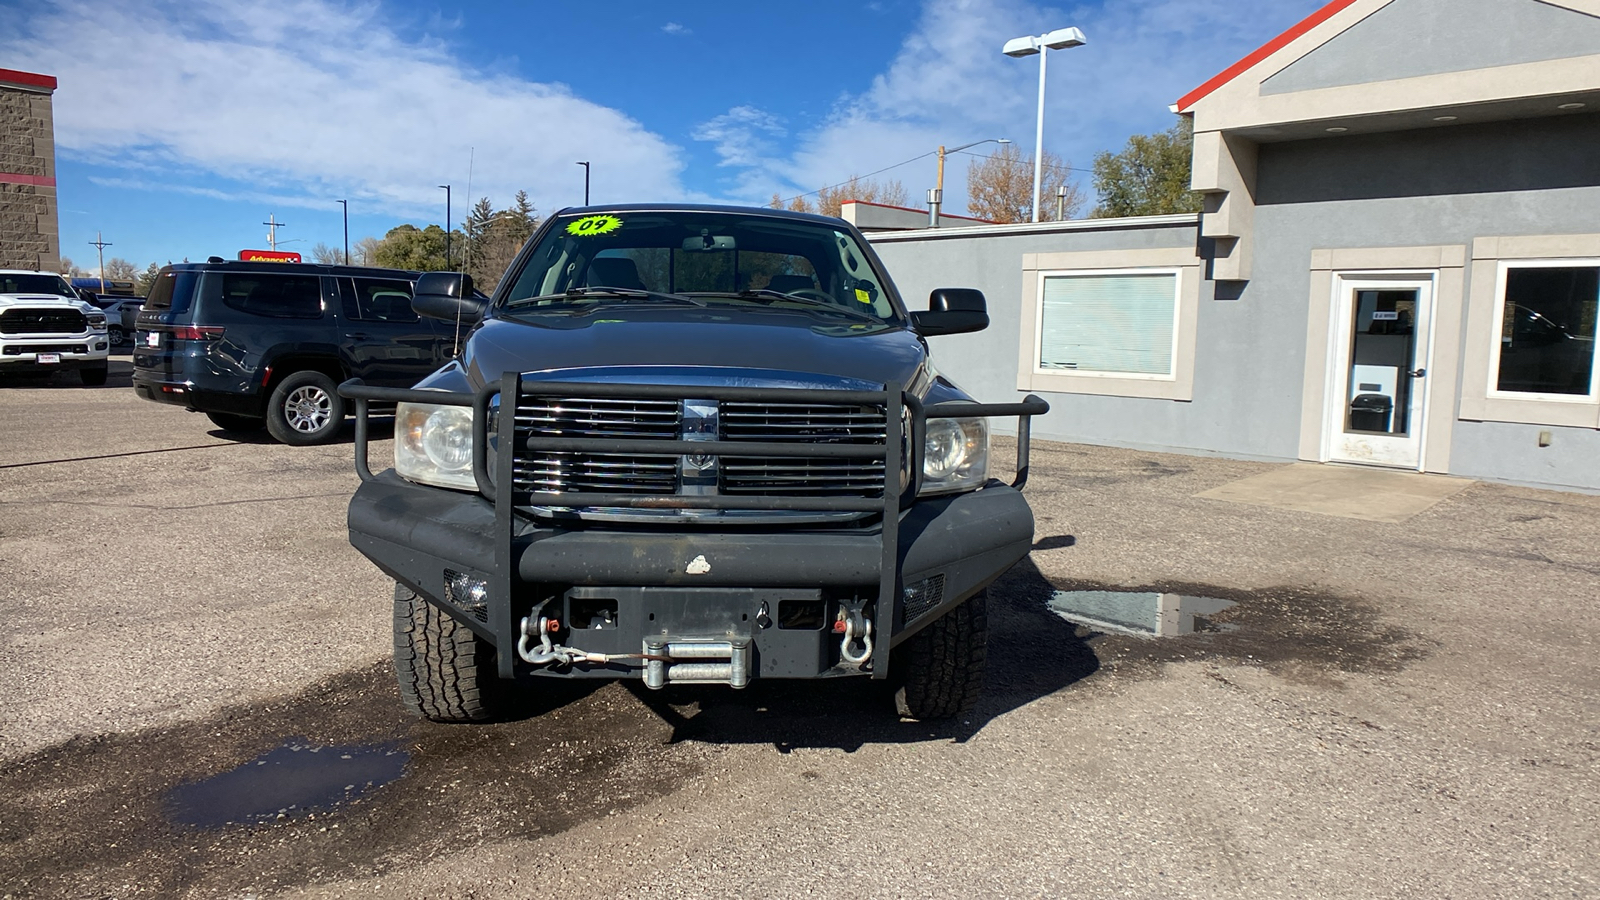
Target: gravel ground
{"points": [[1399, 709]]}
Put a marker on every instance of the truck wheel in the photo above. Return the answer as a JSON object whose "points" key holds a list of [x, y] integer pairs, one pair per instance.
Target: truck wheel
{"points": [[94, 377], [305, 409], [941, 667], [232, 422], [445, 672]]}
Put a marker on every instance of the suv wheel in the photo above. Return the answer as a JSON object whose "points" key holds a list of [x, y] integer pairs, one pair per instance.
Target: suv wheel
{"points": [[941, 666], [231, 422], [118, 336], [94, 377], [445, 672], [305, 409]]}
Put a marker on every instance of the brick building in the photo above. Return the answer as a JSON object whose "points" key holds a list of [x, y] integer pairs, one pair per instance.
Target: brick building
{"points": [[30, 236]]}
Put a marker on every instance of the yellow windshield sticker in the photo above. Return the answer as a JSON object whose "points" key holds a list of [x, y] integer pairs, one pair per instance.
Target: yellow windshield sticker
{"points": [[589, 226], [863, 296]]}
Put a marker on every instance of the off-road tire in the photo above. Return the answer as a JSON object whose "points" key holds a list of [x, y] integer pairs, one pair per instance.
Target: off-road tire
{"points": [[445, 672], [305, 409], [939, 670], [232, 422], [94, 377]]}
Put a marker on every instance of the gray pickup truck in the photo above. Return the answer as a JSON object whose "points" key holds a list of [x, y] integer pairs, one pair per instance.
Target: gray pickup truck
{"points": [[690, 444]]}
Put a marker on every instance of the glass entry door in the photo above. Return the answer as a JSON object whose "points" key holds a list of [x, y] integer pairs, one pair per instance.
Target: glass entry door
{"points": [[1382, 335]]}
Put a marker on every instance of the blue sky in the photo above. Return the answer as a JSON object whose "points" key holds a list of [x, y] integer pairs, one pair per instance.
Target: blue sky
{"points": [[181, 126]]}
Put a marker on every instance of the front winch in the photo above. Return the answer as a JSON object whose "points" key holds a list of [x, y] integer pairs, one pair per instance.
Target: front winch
{"points": [[696, 661]]}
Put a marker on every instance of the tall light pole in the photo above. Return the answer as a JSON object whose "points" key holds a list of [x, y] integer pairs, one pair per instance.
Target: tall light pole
{"points": [[936, 196], [346, 205], [1060, 39], [585, 165], [446, 188]]}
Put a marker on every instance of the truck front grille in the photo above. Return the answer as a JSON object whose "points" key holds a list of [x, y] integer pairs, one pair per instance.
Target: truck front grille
{"points": [[601, 473], [802, 424], [545, 472], [42, 321]]}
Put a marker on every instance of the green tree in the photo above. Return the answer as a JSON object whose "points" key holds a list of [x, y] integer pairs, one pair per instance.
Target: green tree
{"points": [[146, 280], [1150, 177], [419, 249]]}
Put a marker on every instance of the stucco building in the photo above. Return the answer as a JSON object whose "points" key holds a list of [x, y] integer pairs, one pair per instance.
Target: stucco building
{"points": [[29, 233], [1398, 263]]}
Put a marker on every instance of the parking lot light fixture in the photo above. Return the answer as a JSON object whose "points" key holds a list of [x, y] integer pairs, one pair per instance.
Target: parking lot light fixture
{"points": [[446, 189], [1060, 39]]}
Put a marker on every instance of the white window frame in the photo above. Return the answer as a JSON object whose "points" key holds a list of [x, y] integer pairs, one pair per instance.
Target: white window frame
{"points": [[1492, 390], [1481, 400], [1161, 260], [1177, 317]]}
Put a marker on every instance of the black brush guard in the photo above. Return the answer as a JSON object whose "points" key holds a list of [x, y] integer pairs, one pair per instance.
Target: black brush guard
{"points": [[500, 489]]}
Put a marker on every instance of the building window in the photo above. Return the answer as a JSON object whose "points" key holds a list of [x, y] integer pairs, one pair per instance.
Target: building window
{"points": [[1121, 323], [1545, 329]]}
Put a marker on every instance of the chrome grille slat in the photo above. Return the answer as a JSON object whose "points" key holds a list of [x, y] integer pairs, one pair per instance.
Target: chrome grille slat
{"points": [[547, 474]]}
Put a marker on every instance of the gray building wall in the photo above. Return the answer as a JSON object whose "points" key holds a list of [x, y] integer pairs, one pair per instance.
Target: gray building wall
{"points": [[1408, 38], [1444, 186]]}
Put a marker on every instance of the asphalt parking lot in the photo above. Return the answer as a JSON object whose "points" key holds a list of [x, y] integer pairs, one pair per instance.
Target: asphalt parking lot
{"points": [[1396, 709]]}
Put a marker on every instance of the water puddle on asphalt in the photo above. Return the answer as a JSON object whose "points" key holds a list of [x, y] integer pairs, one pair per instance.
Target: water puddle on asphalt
{"points": [[1141, 613], [288, 782]]}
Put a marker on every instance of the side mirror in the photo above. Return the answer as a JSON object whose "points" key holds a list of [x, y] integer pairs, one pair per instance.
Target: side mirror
{"points": [[952, 311], [447, 296]]}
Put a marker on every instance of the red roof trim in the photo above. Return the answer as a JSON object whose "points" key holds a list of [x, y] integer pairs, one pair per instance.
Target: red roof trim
{"points": [[942, 215], [1265, 50], [28, 78], [35, 180]]}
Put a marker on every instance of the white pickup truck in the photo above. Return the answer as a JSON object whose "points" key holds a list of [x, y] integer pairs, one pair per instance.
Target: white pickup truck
{"points": [[45, 325]]}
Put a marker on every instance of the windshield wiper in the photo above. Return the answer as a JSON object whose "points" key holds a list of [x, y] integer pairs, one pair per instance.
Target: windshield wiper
{"points": [[596, 293], [754, 293]]}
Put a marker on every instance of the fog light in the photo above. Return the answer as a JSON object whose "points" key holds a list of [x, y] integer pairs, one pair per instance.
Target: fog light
{"points": [[468, 594]]}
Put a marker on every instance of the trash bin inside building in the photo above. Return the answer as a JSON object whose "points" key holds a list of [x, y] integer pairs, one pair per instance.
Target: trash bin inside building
{"points": [[1370, 412]]}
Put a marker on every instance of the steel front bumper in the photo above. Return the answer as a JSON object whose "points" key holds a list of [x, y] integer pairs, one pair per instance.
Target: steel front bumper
{"points": [[959, 544]]}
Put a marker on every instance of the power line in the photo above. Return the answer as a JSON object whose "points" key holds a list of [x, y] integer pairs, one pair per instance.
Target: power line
{"points": [[1046, 165], [858, 177]]}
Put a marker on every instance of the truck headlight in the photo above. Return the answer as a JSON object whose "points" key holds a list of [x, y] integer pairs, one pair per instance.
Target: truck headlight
{"points": [[97, 321], [433, 445], [955, 455]]}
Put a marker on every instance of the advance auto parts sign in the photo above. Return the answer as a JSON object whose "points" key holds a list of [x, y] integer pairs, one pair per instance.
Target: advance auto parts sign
{"points": [[589, 226], [282, 256]]}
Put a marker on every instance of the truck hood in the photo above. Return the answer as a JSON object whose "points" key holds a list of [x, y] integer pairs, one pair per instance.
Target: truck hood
{"points": [[766, 347]]}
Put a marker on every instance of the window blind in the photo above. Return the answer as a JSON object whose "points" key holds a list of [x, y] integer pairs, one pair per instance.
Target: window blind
{"points": [[1118, 323]]}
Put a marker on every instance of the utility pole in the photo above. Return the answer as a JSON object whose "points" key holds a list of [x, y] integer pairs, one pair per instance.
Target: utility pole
{"points": [[273, 225], [101, 245]]}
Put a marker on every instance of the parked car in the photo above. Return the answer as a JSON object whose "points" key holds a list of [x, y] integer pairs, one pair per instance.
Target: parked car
{"points": [[46, 326], [258, 344], [121, 315], [691, 444]]}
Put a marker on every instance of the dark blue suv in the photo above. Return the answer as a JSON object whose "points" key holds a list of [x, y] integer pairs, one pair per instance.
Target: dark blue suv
{"points": [[256, 344]]}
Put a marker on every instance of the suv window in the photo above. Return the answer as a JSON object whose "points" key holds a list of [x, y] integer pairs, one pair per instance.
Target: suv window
{"points": [[273, 295], [383, 300], [172, 290]]}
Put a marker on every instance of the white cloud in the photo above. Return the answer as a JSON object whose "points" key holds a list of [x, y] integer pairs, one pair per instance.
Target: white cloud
{"points": [[949, 84], [316, 100], [675, 28], [743, 135]]}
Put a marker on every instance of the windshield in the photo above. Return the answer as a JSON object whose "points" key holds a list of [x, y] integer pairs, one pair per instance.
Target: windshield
{"points": [[710, 258], [34, 283]]}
